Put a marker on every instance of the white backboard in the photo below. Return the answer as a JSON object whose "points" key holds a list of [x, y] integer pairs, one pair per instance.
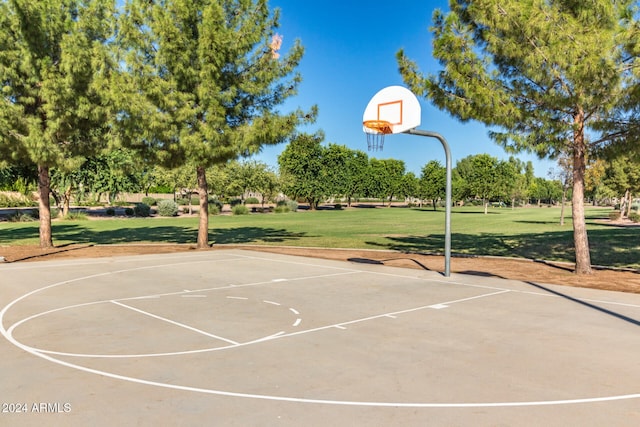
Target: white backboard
{"points": [[396, 105]]}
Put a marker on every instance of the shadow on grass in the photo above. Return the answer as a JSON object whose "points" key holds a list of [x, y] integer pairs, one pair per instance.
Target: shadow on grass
{"points": [[77, 233], [610, 247]]}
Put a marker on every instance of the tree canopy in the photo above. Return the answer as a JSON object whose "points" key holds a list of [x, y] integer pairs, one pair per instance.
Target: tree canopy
{"points": [[54, 67], [543, 75], [202, 83]]}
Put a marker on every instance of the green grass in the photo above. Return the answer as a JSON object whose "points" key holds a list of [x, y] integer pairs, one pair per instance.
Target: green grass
{"points": [[527, 233]]}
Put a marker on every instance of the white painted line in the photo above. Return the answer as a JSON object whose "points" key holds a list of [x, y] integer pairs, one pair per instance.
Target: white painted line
{"points": [[279, 280], [336, 326], [321, 401], [193, 296], [271, 302], [242, 298], [297, 322], [391, 316], [438, 306], [294, 311], [182, 325]]}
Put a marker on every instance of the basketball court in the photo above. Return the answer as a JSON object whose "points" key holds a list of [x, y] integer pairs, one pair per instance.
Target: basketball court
{"points": [[232, 337]]}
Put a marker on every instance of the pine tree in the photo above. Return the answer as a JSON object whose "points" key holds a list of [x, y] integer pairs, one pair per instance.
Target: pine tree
{"points": [[203, 81], [54, 66], [542, 74]]}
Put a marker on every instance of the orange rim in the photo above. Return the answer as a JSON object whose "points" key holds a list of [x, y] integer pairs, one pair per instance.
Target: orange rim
{"points": [[380, 126]]}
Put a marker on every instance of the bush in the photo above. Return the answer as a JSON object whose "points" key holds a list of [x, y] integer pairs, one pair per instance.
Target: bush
{"points": [[149, 201], [281, 209], [338, 206], [251, 201], [235, 202], [240, 210], [142, 209], [76, 216], [215, 204], [293, 205], [128, 211], [110, 211], [20, 217], [15, 201], [634, 216], [167, 208]]}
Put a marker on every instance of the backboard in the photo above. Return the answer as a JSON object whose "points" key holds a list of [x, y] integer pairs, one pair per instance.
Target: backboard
{"points": [[396, 105]]}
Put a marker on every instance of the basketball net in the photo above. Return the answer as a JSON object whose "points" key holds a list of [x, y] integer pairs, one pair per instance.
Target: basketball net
{"points": [[376, 131]]}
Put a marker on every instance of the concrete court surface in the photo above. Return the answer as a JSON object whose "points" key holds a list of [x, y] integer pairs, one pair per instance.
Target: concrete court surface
{"points": [[239, 338]]}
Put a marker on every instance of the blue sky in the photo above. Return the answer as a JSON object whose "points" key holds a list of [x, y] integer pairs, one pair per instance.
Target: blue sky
{"points": [[350, 48]]}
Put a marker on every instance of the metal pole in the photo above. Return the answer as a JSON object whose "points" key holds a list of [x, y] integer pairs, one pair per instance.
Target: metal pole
{"points": [[447, 220]]}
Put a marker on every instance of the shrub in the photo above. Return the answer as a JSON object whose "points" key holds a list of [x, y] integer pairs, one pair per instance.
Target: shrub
{"points": [[214, 209], [634, 216], [76, 216], [15, 201], [338, 206], [293, 205], [149, 201], [110, 211], [251, 201], [281, 209], [128, 211], [240, 210], [141, 209], [20, 217], [167, 208], [235, 202], [215, 204]]}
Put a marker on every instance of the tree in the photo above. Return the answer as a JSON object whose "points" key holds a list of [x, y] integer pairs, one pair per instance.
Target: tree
{"points": [[564, 175], [507, 181], [483, 180], [54, 69], [622, 175], [385, 178], [356, 167], [203, 80], [541, 74], [433, 182], [410, 186], [302, 168], [112, 173], [593, 178]]}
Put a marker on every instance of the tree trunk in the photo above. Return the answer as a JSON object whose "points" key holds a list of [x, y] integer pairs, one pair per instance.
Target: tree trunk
{"points": [[580, 238], [44, 187], [564, 200], [66, 201], [203, 225], [486, 206]]}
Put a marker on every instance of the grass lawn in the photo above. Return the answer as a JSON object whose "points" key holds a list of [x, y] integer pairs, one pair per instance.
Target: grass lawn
{"points": [[528, 233]]}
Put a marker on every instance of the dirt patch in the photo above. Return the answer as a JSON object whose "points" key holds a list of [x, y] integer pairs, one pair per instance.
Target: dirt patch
{"points": [[507, 268]]}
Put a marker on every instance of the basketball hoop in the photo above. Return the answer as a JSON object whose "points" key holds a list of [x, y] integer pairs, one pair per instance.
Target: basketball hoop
{"points": [[376, 131]]}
